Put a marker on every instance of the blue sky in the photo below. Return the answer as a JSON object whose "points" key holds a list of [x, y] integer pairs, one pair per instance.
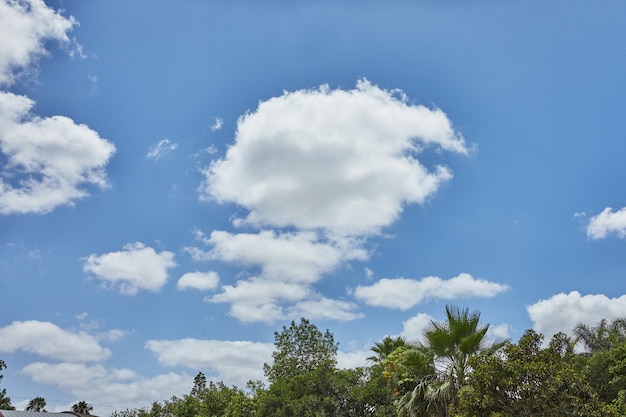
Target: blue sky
{"points": [[177, 182]]}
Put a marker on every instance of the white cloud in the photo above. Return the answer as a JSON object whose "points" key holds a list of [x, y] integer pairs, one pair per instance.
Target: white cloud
{"points": [[162, 148], [404, 293], [117, 388], [218, 124], [48, 340], [136, 267], [25, 26], [235, 362], [198, 280], [341, 161], [414, 327], [49, 160], [562, 312], [608, 222]]}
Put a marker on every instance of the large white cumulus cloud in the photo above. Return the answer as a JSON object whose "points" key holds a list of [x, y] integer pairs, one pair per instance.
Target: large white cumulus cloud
{"points": [[339, 160]]}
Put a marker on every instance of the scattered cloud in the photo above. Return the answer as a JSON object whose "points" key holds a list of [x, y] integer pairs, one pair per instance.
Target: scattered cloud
{"points": [[606, 223], [404, 293], [49, 340], [219, 122], [164, 147], [236, 362], [49, 160], [341, 161], [562, 312], [199, 280], [137, 267]]}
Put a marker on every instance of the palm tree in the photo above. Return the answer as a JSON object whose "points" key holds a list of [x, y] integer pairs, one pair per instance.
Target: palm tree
{"points": [[385, 348], [452, 343], [82, 407], [37, 404], [602, 337]]}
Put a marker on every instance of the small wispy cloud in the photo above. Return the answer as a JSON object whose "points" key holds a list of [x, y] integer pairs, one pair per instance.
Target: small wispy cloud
{"points": [[218, 124], [162, 148]]}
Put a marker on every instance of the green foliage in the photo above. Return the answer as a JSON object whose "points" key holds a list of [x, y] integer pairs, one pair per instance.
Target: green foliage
{"points": [[456, 373], [5, 402], [427, 378], [527, 380], [300, 348]]}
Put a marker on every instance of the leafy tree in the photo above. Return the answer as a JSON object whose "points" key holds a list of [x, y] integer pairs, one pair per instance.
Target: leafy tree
{"points": [[5, 402], [528, 380], [82, 407], [300, 348], [37, 404], [302, 374]]}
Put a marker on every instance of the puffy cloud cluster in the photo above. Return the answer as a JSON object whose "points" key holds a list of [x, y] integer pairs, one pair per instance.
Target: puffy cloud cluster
{"points": [[334, 167], [49, 161]]}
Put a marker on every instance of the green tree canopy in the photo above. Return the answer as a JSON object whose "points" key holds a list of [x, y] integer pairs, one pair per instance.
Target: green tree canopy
{"points": [[525, 379], [300, 348]]}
